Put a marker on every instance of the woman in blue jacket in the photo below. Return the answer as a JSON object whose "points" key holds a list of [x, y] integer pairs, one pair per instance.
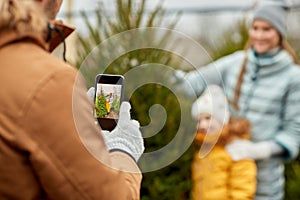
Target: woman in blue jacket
{"points": [[262, 84]]}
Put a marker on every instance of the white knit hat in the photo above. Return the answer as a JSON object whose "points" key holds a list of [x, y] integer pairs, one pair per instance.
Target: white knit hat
{"points": [[213, 101]]}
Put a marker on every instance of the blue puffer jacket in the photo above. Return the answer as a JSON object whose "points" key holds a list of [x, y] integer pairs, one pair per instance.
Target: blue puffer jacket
{"points": [[270, 99]]}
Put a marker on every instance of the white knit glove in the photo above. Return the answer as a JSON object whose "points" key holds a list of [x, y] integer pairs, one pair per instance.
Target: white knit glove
{"points": [[91, 93], [245, 149], [127, 136]]}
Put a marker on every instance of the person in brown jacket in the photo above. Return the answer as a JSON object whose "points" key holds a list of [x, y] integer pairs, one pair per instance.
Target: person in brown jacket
{"points": [[50, 146]]}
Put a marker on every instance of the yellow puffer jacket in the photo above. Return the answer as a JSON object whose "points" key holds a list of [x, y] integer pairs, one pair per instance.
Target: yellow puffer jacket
{"points": [[218, 177]]}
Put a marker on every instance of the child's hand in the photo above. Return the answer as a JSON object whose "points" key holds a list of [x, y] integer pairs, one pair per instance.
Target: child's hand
{"points": [[245, 149]]}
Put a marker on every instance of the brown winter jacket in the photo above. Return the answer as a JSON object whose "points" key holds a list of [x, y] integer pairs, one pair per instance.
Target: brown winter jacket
{"points": [[50, 147]]}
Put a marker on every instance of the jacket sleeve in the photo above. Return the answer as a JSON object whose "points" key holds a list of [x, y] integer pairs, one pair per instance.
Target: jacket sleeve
{"points": [[242, 180], [289, 134], [70, 159], [195, 81]]}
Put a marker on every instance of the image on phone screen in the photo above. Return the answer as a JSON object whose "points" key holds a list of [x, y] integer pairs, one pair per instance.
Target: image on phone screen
{"points": [[107, 102], [108, 99]]}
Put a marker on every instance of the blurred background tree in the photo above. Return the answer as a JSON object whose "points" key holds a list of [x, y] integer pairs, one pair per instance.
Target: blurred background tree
{"points": [[172, 181], [100, 109]]}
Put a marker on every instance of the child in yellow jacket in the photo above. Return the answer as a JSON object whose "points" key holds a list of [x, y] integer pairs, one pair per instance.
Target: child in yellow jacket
{"points": [[215, 175]]}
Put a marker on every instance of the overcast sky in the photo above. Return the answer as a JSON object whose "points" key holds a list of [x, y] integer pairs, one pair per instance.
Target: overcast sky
{"points": [[201, 5], [178, 4], [191, 9]]}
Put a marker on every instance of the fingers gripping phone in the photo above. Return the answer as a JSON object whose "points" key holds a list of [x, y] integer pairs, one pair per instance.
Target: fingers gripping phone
{"points": [[108, 97]]}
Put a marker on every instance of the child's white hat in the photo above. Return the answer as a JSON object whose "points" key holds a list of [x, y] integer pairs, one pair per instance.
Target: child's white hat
{"points": [[214, 102]]}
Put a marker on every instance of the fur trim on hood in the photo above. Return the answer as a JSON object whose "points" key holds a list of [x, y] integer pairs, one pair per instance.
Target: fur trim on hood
{"points": [[236, 128]]}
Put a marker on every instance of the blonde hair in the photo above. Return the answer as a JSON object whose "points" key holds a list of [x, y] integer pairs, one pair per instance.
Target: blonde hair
{"points": [[21, 16], [284, 44]]}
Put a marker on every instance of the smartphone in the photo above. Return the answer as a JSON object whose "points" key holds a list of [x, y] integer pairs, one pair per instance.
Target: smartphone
{"points": [[109, 89]]}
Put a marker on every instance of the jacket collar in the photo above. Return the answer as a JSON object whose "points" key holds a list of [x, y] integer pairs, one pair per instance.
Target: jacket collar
{"points": [[269, 65], [55, 38], [280, 58], [10, 36]]}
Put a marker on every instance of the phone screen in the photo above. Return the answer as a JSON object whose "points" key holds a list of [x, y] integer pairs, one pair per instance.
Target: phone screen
{"points": [[108, 98]]}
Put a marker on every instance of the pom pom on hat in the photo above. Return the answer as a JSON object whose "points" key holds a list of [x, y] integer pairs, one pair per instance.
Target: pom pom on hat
{"points": [[214, 102], [275, 14]]}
